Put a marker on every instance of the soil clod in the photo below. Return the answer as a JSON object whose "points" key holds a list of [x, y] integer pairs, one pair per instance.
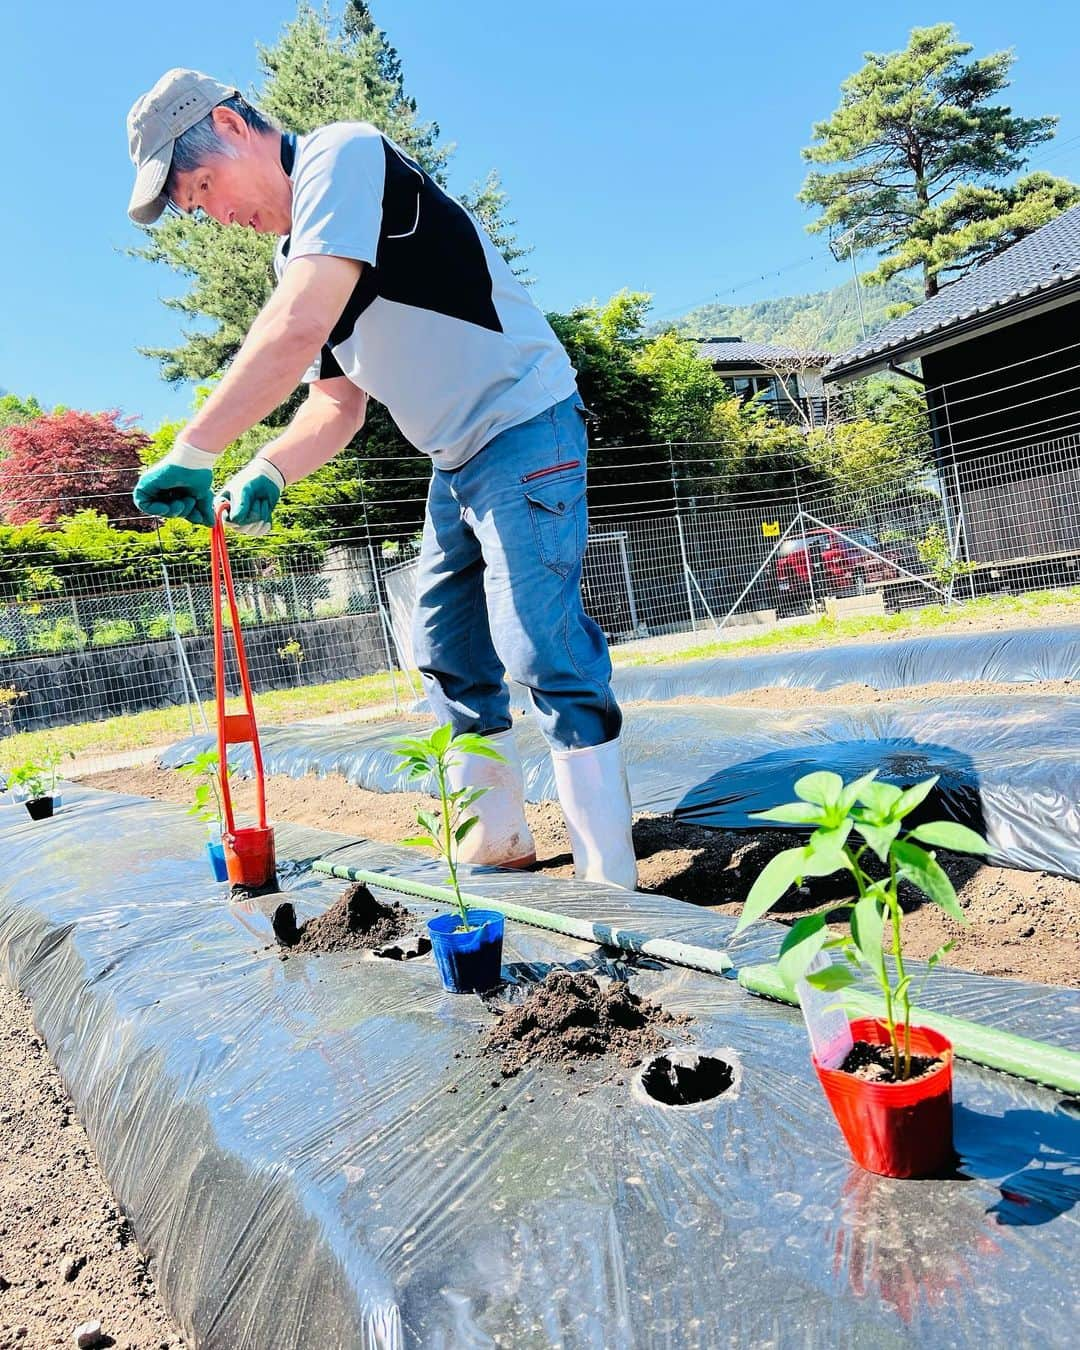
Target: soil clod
{"points": [[356, 921], [570, 1016], [874, 1064]]}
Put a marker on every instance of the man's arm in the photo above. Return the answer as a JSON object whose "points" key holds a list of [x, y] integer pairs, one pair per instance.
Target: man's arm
{"points": [[280, 346]]}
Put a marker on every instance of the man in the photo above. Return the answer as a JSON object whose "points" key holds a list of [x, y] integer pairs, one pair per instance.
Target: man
{"points": [[387, 286]]}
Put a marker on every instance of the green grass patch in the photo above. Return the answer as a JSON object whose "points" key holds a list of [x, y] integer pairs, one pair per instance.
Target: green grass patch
{"points": [[161, 726], [1057, 606]]}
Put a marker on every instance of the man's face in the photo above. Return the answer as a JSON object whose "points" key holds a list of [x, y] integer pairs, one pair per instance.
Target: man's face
{"points": [[249, 188]]}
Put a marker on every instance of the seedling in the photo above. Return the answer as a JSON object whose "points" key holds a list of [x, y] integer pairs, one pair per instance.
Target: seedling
{"points": [[874, 812], [32, 777], [445, 829], [206, 804], [292, 651]]}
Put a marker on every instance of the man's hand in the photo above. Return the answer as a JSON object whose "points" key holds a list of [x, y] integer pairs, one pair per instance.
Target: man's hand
{"points": [[179, 485], [252, 495]]}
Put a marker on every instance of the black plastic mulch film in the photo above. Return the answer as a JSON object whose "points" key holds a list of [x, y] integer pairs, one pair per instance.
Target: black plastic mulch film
{"points": [[314, 1155], [1009, 765]]}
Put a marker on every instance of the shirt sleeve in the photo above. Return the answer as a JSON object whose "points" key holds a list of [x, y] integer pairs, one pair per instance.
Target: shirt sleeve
{"points": [[324, 367], [338, 193]]}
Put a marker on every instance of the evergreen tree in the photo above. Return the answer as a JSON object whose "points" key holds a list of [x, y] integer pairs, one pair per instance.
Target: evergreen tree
{"points": [[921, 155]]}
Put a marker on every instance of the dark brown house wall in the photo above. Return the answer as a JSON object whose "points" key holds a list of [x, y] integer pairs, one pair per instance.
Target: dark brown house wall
{"points": [[1005, 408]]}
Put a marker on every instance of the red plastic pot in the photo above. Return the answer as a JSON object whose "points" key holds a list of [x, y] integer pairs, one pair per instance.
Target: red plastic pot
{"points": [[249, 856], [896, 1129]]}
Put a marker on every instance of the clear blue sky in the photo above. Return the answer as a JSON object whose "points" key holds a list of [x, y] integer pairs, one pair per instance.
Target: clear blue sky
{"points": [[647, 145]]}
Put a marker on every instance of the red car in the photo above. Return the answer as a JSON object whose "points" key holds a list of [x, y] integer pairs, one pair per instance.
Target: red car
{"points": [[839, 567]]}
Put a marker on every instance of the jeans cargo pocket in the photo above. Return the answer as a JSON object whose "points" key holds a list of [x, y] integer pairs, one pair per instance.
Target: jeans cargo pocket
{"points": [[559, 520]]}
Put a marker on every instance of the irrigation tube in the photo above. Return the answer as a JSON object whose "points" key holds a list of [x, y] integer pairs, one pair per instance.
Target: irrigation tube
{"points": [[1034, 1060], [678, 953]]}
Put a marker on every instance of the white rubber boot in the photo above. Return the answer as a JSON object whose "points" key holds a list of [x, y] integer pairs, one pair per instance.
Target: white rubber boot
{"points": [[502, 837], [595, 799]]}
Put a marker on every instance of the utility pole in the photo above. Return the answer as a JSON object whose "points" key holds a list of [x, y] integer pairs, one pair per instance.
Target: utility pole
{"points": [[847, 240]]}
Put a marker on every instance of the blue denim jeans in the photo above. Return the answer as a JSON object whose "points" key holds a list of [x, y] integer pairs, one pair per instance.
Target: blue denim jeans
{"points": [[499, 588]]}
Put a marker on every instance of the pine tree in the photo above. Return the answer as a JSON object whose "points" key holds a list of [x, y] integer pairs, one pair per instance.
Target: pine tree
{"points": [[923, 155]]}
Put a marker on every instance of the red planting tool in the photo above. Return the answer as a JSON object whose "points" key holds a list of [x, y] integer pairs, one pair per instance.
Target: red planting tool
{"points": [[249, 850]]}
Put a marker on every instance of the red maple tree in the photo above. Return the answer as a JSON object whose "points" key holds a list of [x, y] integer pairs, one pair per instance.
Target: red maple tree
{"points": [[71, 461]]}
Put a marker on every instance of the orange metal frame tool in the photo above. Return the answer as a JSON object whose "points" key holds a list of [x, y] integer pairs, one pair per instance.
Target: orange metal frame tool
{"points": [[249, 852]]}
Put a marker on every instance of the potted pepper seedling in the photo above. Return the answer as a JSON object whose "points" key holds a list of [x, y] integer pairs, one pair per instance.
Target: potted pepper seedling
{"points": [[467, 944], [206, 806], [53, 759], [32, 779], [892, 1092]]}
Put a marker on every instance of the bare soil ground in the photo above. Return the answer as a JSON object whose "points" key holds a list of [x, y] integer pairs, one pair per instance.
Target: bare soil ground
{"points": [[780, 696], [67, 1255], [1021, 924]]}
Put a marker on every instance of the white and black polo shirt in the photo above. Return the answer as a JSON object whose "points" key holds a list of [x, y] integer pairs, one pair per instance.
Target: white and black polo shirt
{"points": [[438, 328]]}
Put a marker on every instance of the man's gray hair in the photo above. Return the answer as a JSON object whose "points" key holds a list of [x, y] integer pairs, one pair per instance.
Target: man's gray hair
{"points": [[201, 143]]}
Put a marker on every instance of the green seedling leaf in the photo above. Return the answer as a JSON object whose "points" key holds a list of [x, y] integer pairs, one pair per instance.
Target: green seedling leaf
{"points": [[420, 841], [410, 745], [943, 950], [464, 828], [948, 834], [879, 837], [850, 794], [794, 813], [832, 977], [911, 798], [800, 946], [775, 878], [440, 738], [924, 871], [879, 798], [471, 744], [429, 821], [822, 787], [866, 929]]}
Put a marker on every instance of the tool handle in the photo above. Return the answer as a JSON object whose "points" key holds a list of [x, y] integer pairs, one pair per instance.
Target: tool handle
{"points": [[234, 728]]}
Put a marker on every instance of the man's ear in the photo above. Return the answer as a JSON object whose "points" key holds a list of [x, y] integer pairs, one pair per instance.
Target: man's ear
{"points": [[229, 124]]}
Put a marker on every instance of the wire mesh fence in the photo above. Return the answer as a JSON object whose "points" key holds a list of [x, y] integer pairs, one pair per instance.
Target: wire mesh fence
{"points": [[680, 542]]}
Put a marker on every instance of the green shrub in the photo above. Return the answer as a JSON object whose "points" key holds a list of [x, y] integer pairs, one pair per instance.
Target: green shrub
{"points": [[161, 625], [110, 632], [64, 635]]}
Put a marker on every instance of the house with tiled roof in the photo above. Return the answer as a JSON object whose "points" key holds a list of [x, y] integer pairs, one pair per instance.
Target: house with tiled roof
{"points": [[786, 380], [999, 354]]}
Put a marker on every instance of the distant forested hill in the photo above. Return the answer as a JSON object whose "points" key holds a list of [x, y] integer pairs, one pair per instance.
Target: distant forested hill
{"points": [[827, 319]]}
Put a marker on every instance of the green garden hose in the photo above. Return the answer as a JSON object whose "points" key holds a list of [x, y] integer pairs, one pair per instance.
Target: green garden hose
{"points": [[1035, 1060]]}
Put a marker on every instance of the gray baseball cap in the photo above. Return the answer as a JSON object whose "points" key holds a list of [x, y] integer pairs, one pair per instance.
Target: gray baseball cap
{"points": [[178, 100]]}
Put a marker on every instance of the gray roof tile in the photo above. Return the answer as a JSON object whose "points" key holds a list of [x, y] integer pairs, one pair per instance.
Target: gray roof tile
{"points": [[1041, 262], [760, 354]]}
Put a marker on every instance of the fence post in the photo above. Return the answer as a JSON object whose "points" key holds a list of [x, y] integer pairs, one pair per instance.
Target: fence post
{"points": [[682, 541], [186, 677], [806, 546]]}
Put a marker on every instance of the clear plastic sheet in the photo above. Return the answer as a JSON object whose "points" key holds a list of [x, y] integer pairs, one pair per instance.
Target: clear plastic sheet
{"points": [[1008, 765], [309, 1163], [997, 657]]}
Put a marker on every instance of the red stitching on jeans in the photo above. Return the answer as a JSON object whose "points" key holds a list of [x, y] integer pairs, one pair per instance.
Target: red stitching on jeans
{"points": [[552, 468]]}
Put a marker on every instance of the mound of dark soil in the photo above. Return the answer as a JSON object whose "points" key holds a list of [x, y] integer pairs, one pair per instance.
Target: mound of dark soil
{"points": [[355, 921], [570, 1016], [874, 1063]]}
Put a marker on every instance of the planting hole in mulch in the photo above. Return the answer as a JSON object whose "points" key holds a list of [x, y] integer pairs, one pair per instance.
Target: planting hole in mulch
{"points": [[357, 921], [874, 1063], [569, 1016], [683, 1078]]}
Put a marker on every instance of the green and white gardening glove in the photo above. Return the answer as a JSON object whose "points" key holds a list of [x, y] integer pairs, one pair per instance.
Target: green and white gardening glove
{"points": [[179, 485], [252, 495]]}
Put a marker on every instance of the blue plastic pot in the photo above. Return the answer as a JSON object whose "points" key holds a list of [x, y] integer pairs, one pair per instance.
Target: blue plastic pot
{"points": [[469, 962], [216, 854]]}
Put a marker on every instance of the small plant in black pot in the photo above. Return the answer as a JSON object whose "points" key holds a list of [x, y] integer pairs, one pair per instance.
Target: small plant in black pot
{"points": [[33, 780], [467, 944]]}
